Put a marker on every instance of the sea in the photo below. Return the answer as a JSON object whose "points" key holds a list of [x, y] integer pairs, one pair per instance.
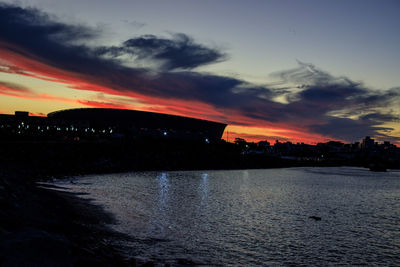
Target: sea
{"points": [[265, 217]]}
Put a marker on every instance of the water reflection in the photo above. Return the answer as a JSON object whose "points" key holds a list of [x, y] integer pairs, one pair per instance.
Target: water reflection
{"points": [[245, 175], [204, 189], [163, 194], [257, 217], [161, 219]]}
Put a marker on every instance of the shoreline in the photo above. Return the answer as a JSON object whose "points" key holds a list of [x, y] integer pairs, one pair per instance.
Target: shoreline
{"points": [[172, 175], [47, 227], [43, 227]]}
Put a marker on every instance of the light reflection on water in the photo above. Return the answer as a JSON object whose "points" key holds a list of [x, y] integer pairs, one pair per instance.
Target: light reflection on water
{"points": [[255, 217], [204, 189], [160, 215]]}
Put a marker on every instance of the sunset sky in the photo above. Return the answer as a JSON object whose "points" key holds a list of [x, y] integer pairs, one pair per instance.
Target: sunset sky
{"points": [[301, 70]]}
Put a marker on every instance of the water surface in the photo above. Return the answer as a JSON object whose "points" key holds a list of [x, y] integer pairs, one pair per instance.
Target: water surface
{"points": [[255, 217]]}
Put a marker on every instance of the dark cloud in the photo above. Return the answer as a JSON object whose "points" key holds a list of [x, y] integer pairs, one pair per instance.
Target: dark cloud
{"points": [[348, 129], [379, 117], [328, 93], [314, 96], [53, 42], [13, 87], [307, 74], [180, 52], [321, 95], [19, 25]]}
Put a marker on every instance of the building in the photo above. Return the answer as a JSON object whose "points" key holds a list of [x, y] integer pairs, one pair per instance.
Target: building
{"points": [[109, 123], [367, 143]]}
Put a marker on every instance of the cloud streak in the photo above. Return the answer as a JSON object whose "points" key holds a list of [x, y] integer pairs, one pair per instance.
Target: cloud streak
{"points": [[316, 101], [180, 52], [13, 87]]}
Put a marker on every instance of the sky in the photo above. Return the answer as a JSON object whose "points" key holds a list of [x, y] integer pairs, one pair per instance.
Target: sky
{"points": [[302, 71]]}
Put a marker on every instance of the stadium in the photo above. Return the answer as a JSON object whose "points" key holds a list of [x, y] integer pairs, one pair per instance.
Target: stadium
{"points": [[140, 123]]}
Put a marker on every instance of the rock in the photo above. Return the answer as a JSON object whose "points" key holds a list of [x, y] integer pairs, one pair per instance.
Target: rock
{"points": [[315, 218], [32, 247]]}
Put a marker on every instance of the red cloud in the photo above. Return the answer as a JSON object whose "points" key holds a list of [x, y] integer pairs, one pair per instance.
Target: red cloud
{"points": [[97, 104], [17, 61]]}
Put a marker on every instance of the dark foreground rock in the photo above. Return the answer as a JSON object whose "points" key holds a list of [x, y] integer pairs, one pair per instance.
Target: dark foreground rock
{"points": [[39, 227]]}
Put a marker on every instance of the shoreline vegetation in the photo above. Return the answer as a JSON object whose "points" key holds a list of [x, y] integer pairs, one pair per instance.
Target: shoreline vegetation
{"points": [[41, 227]]}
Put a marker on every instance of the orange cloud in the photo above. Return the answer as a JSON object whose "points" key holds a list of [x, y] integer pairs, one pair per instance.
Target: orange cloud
{"points": [[37, 114], [19, 63], [97, 104]]}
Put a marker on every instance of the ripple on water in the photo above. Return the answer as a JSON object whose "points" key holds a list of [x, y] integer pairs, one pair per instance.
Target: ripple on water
{"points": [[255, 217]]}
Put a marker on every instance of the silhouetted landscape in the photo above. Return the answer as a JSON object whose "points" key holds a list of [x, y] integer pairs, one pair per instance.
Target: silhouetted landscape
{"points": [[185, 133], [57, 228], [76, 145]]}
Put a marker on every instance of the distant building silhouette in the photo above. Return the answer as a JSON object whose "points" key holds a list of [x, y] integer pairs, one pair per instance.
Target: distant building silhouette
{"points": [[93, 123], [367, 143]]}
